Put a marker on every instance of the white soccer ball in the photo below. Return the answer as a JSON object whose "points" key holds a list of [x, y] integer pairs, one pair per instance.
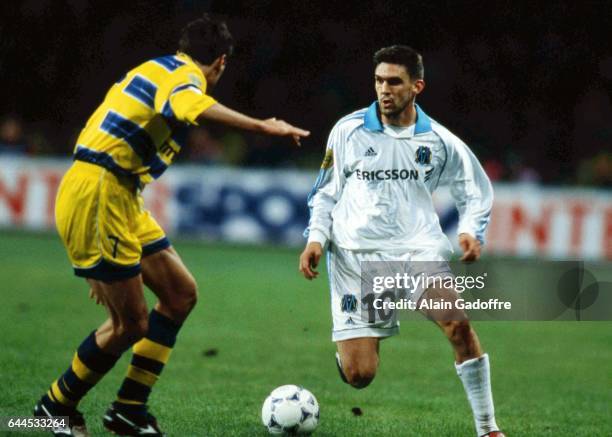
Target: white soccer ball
{"points": [[290, 409]]}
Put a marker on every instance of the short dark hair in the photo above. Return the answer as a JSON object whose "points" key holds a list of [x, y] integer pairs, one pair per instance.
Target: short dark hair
{"points": [[205, 39], [402, 55]]}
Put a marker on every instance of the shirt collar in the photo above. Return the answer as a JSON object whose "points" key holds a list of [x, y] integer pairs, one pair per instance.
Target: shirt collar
{"points": [[372, 120], [185, 57]]}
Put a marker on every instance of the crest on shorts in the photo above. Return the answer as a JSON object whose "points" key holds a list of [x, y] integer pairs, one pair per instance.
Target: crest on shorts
{"points": [[423, 155], [349, 303], [328, 160]]}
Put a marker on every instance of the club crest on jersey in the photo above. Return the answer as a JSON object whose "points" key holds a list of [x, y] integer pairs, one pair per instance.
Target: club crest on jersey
{"points": [[423, 155], [328, 160], [349, 303]]}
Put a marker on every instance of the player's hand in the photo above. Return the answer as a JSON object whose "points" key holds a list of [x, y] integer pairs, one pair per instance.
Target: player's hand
{"points": [[470, 247], [281, 128], [309, 260]]}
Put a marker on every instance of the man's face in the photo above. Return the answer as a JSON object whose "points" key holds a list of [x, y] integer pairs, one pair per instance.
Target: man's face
{"points": [[394, 88]]}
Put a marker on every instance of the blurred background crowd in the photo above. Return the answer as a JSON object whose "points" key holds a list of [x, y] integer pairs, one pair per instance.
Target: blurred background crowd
{"points": [[527, 85]]}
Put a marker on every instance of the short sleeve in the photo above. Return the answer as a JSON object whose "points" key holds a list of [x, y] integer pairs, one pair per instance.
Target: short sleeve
{"points": [[182, 96]]}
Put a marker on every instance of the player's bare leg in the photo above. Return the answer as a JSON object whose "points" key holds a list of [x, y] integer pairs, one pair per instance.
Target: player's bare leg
{"points": [[166, 275], [98, 353], [358, 359], [455, 325], [127, 309], [471, 363]]}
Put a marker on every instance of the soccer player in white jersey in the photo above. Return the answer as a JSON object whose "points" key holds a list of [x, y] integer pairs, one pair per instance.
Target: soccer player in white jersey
{"points": [[372, 202]]}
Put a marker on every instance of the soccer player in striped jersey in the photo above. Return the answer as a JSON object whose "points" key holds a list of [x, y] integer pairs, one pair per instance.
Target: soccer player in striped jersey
{"points": [[113, 241]]}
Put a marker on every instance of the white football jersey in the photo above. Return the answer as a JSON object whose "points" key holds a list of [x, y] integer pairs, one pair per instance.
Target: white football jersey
{"points": [[374, 190]]}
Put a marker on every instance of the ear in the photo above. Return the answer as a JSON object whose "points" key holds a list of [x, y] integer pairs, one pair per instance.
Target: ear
{"points": [[219, 63], [418, 86]]}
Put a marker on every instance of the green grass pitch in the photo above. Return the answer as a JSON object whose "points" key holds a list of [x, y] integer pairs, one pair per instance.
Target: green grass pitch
{"points": [[271, 327]]}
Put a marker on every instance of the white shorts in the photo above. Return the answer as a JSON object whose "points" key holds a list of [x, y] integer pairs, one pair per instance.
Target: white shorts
{"points": [[349, 316]]}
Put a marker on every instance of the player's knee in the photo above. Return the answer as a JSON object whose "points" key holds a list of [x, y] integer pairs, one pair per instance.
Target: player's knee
{"points": [[184, 298], [131, 331], [189, 295], [457, 331], [360, 376]]}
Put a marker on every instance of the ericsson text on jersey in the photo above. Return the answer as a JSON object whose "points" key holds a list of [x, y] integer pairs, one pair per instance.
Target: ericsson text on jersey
{"points": [[386, 175]]}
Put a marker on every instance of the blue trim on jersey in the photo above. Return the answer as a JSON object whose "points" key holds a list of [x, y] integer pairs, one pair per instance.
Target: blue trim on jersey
{"points": [[138, 139], [142, 90], [184, 87], [371, 120], [315, 188], [317, 183], [170, 63], [423, 123], [484, 222]]}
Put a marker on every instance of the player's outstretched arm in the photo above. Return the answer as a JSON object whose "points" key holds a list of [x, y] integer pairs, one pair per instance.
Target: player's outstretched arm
{"points": [[309, 260], [271, 126]]}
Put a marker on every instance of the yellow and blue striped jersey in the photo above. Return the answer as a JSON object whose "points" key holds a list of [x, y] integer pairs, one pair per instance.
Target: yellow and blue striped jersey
{"points": [[142, 123]]}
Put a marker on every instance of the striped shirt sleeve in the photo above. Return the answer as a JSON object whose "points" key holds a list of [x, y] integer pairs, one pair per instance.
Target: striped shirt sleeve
{"points": [[182, 97]]}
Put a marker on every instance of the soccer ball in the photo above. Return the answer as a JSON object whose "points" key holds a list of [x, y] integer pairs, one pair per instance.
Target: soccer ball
{"points": [[290, 409]]}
